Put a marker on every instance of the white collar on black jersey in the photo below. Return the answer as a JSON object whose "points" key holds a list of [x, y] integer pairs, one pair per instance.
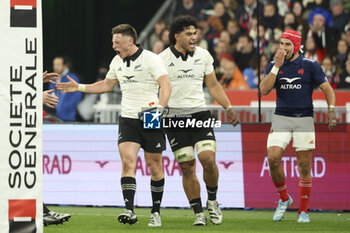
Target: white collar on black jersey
{"points": [[134, 56], [178, 54]]}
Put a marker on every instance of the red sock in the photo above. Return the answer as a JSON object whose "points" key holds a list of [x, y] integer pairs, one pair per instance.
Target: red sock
{"points": [[282, 190], [304, 194]]}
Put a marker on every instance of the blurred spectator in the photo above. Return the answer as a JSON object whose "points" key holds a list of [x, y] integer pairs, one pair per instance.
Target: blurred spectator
{"points": [[220, 48], [263, 41], [244, 51], [345, 76], [340, 19], [230, 7], [324, 4], [282, 7], [246, 12], [187, 7], [66, 108], [233, 29], [221, 14], [342, 54], [158, 28], [250, 74], [158, 47], [225, 36], [164, 36], [209, 33], [289, 22], [222, 59], [232, 77], [330, 70], [271, 19], [311, 51], [297, 9], [274, 47], [85, 107], [320, 22], [201, 42], [347, 34]]}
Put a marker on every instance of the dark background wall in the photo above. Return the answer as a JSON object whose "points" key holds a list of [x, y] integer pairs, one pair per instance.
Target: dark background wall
{"points": [[81, 29]]}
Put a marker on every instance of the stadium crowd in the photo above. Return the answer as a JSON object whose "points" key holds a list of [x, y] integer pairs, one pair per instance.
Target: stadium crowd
{"points": [[228, 30]]}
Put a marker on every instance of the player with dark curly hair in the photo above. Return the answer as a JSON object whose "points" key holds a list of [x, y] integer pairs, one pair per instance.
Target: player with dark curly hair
{"points": [[189, 66]]}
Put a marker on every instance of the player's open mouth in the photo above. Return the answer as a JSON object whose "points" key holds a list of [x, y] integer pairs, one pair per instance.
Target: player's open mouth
{"points": [[192, 44]]}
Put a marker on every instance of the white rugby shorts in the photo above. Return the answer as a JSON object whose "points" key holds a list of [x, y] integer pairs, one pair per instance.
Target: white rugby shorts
{"points": [[283, 129]]}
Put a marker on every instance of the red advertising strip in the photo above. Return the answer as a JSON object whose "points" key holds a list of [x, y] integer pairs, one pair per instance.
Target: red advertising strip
{"points": [[238, 97], [330, 169], [22, 208], [23, 3]]}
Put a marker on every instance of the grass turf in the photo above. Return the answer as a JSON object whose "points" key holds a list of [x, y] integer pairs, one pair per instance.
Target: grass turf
{"points": [[104, 220]]}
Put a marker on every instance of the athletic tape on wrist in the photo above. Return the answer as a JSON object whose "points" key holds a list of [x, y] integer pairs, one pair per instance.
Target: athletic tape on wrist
{"points": [[274, 70], [81, 88], [228, 108]]}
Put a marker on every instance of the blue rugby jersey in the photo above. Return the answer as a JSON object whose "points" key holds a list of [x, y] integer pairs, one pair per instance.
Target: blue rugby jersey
{"points": [[294, 86]]}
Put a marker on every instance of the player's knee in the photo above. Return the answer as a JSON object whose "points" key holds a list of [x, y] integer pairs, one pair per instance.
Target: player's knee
{"points": [[304, 167], [128, 164], [208, 164], [274, 161], [188, 168], [155, 168]]}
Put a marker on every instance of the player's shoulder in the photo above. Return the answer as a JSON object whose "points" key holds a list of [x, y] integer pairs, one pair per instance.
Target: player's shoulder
{"points": [[165, 52], [147, 53], [201, 51], [116, 59], [311, 64], [308, 61]]}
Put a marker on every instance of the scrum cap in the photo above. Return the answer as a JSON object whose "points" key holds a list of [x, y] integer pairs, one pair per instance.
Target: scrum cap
{"points": [[294, 37]]}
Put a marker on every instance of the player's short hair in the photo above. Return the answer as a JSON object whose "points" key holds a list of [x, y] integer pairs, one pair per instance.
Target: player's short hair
{"points": [[125, 30], [179, 24]]}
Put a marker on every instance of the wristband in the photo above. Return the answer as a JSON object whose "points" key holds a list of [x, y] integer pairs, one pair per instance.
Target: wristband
{"points": [[160, 108], [81, 87], [228, 108], [331, 108], [274, 70]]}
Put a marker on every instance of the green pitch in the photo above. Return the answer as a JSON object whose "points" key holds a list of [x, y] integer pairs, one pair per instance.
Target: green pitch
{"points": [[104, 220]]}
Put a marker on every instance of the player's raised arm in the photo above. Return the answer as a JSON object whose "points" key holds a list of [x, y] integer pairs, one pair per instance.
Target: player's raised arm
{"points": [[330, 97], [220, 96], [164, 90], [99, 87], [267, 83]]}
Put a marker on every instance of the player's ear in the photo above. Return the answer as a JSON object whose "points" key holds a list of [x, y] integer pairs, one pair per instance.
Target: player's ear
{"points": [[176, 35]]}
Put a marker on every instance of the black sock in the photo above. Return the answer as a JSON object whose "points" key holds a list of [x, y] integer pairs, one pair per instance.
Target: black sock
{"points": [[45, 209], [212, 193], [129, 189], [157, 188], [196, 205]]}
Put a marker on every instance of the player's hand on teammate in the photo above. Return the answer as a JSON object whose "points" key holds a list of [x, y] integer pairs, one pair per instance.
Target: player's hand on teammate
{"points": [[331, 119], [71, 86], [48, 76], [279, 57], [233, 116], [50, 100]]}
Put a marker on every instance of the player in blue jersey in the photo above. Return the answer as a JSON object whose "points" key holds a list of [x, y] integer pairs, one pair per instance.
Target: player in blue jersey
{"points": [[294, 78]]}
